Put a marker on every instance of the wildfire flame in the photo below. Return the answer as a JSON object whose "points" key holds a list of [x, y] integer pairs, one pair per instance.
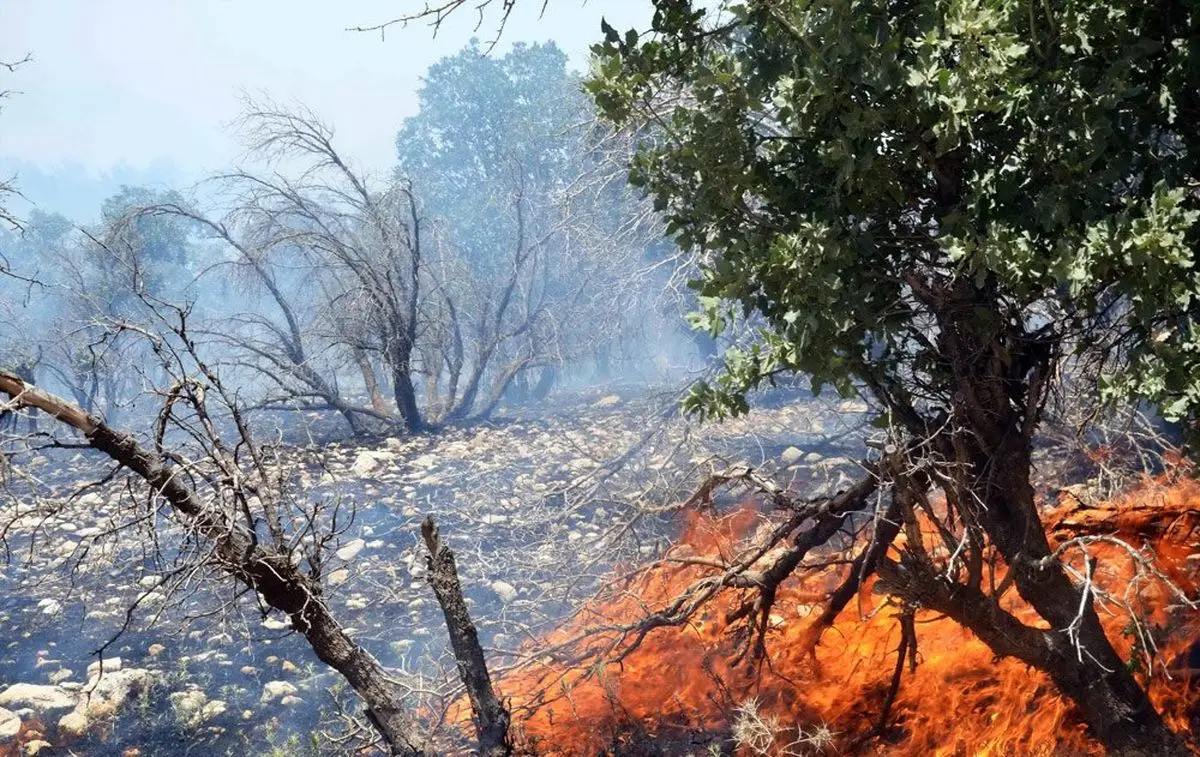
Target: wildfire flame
{"points": [[688, 687]]}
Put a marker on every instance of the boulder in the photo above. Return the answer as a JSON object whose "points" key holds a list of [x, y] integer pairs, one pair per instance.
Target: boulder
{"points": [[10, 726], [111, 665], [103, 696], [40, 699], [611, 400], [73, 724]]}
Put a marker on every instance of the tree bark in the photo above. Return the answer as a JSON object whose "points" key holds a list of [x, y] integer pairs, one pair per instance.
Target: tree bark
{"points": [[491, 717]]}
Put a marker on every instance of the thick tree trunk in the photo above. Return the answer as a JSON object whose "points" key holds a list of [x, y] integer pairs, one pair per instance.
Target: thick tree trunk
{"points": [[996, 368], [371, 382], [405, 392]]}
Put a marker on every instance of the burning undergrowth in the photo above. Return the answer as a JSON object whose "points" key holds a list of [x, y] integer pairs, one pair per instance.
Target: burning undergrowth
{"points": [[876, 678]]}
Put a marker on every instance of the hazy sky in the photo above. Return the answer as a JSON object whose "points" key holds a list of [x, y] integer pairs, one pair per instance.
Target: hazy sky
{"points": [[137, 81]]}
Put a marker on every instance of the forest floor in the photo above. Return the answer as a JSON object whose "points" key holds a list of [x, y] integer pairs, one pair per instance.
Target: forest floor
{"points": [[539, 506]]}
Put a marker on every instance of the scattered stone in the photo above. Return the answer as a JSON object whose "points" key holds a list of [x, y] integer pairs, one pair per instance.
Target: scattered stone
{"points": [[50, 606], [611, 400], [350, 550], [339, 577], [10, 726], [110, 665], [791, 456], [73, 724], [213, 709], [506, 591], [288, 667], [154, 650], [273, 690], [35, 747], [291, 701], [41, 699], [188, 705], [274, 624], [60, 675]]}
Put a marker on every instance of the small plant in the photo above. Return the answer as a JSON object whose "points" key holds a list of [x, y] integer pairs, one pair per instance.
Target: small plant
{"points": [[761, 735]]}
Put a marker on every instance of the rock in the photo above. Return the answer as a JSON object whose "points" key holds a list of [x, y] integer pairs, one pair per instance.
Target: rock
{"points": [[111, 665], [273, 624], [73, 724], [10, 726], [368, 461], [154, 650], [40, 699], [350, 550], [273, 690], [611, 400], [35, 747], [149, 582], [60, 675], [50, 606], [339, 577], [791, 456], [189, 705], [506, 591], [213, 709], [88, 533], [291, 701], [288, 667], [357, 603], [105, 695], [494, 520]]}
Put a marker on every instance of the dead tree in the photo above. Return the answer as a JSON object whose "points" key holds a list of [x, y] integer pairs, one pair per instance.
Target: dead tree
{"points": [[491, 716]]}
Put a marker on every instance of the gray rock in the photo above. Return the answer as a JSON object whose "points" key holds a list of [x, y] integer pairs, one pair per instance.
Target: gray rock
{"points": [[506, 591], [791, 456], [350, 549], [40, 699]]}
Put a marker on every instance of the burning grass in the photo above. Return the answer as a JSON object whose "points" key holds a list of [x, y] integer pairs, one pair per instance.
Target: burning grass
{"points": [[694, 689]]}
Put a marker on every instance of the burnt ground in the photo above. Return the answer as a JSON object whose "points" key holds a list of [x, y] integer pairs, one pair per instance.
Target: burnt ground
{"points": [[538, 505]]}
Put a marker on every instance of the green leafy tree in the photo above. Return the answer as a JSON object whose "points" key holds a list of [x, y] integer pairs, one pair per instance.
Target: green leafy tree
{"points": [[939, 205]]}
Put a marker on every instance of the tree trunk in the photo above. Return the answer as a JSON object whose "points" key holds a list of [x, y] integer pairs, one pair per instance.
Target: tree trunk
{"points": [[995, 407], [403, 390], [491, 716], [371, 382]]}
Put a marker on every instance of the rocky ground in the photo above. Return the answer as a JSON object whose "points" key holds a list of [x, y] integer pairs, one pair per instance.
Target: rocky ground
{"points": [[538, 506]]}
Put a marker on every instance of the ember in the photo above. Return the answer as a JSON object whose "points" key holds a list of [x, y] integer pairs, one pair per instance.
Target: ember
{"points": [[694, 688]]}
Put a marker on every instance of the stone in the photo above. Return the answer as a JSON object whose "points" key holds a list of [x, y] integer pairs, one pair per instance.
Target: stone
{"points": [[506, 591], [149, 582], [291, 701], [791, 456], [105, 695], [187, 704], [154, 650], [213, 709], [40, 699], [273, 690], [611, 400], [288, 667], [111, 665], [273, 624], [10, 726], [35, 747], [350, 549], [50, 606], [339, 577], [89, 533], [73, 724], [60, 675]]}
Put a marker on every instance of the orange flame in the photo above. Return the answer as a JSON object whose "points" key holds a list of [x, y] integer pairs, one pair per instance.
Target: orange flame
{"points": [[680, 689]]}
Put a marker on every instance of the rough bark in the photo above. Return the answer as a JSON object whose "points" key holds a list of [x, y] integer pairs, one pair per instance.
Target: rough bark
{"points": [[491, 717]]}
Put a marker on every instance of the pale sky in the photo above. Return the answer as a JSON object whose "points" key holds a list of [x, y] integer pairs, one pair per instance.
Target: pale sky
{"points": [[132, 82]]}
